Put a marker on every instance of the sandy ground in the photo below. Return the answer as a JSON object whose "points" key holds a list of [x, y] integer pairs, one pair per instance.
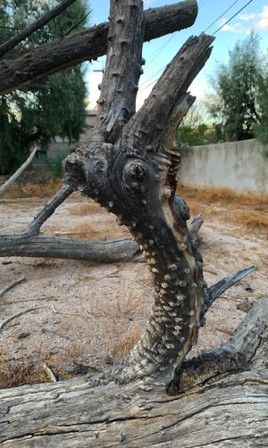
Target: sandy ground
{"points": [[88, 314]]}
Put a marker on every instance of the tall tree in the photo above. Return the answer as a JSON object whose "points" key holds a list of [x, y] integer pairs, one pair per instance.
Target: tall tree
{"points": [[236, 102], [53, 107], [192, 130]]}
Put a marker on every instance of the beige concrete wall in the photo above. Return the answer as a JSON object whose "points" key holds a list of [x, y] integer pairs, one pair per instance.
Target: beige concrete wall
{"points": [[237, 165]]}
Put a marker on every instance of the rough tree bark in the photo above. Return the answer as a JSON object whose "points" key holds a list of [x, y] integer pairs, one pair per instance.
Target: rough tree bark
{"points": [[20, 70], [152, 397]]}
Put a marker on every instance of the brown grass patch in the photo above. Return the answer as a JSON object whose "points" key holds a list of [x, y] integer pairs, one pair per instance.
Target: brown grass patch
{"points": [[252, 221], [258, 201], [195, 208], [126, 343], [18, 373], [28, 190], [88, 232], [85, 209]]}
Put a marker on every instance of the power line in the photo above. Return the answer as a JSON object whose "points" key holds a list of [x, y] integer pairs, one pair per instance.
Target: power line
{"points": [[229, 20], [201, 4], [158, 51], [151, 78], [221, 15]]}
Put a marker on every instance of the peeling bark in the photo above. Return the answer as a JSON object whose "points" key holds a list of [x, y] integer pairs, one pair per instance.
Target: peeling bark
{"points": [[19, 70]]}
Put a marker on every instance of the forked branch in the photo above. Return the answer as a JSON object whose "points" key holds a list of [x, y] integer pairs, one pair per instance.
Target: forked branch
{"points": [[127, 170]]}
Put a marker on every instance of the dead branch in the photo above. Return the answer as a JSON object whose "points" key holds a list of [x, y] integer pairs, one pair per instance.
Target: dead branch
{"points": [[4, 48], [126, 169], [87, 45], [18, 172], [23, 245], [48, 210], [14, 316], [8, 287]]}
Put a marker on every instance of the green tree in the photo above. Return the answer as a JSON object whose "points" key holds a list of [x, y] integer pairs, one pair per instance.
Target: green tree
{"points": [[52, 107], [237, 102], [193, 131]]}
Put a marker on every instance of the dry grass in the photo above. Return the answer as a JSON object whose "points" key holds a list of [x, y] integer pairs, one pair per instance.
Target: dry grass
{"points": [[126, 342], [257, 201], [88, 232], [252, 221], [85, 209], [15, 374], [29, 190]]}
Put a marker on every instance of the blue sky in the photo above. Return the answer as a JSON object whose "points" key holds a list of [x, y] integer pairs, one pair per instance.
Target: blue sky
{"points": [[159, 52]]}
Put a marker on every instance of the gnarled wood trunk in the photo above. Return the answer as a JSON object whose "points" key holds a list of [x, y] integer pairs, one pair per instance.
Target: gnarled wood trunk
{"points": [[153, 397]]}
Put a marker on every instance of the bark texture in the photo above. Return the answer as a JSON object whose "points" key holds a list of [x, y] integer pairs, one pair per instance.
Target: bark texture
{"points": [[219, 407], [23, 245], [19, 70], [129, 166], [153, 397]]}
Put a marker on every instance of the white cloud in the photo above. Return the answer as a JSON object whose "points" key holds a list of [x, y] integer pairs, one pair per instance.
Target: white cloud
{"points": [[261, 19], [257, 21], [235, 28]]}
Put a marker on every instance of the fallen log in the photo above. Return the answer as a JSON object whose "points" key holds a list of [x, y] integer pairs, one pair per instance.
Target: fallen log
{"points": [[222, 409]]}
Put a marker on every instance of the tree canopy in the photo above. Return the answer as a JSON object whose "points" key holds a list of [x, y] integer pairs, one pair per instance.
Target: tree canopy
{"points": [[53, 107], [237, 103]]}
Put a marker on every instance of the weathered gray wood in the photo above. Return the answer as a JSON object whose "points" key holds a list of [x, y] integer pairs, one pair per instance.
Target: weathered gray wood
{"points": [[18, 71], [18, 172], [23, 245], [226, 409], [48, 210], [221, 397], [127, 170]]}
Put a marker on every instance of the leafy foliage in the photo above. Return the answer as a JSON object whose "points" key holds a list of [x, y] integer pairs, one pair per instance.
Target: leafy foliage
{"points": [[192, 131], [53, 107], [237, 104]]}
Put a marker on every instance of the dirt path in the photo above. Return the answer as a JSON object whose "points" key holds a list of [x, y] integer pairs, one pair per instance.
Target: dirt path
{"points": [[89, 314]]}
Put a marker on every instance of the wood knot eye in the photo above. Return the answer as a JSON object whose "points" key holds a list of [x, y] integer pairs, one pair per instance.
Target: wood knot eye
{"points": [[100, 165], [137, 171]]}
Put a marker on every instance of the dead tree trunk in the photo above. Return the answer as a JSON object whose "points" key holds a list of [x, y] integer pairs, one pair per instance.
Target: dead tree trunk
{"points": [[153, 397], [130, 167]]}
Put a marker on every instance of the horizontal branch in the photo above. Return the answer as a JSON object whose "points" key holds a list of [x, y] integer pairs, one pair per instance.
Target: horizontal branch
{"points": [[19, 70], [230, 410], [23, 245]]}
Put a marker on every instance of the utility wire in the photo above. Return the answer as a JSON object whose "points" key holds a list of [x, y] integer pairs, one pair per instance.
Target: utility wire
{"points": [[231, 18], [158, 51], [201, 4], [221, 16]]}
